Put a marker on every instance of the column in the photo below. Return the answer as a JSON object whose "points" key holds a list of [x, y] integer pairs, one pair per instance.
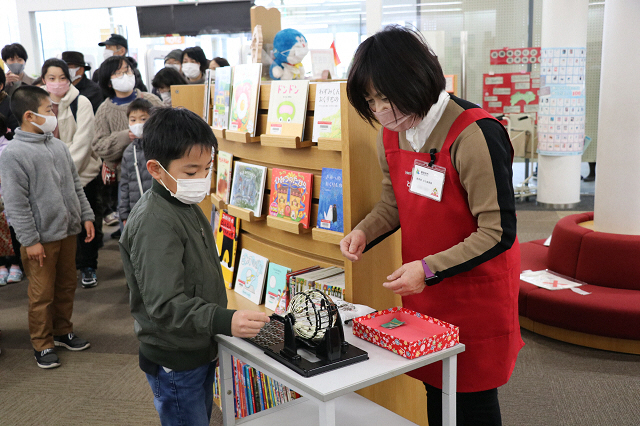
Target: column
{"points": [[374, 17], [617, 201], [564, 25]]}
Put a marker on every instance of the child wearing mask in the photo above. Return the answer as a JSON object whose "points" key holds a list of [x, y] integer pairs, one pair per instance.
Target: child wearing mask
{"points": [[177, 293], [135, 179], [163, 80], [47, 207]]}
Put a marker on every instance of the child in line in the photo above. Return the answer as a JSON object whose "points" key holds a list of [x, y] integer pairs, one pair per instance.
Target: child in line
{"points": [[177, 293], [135, 179], [10, 264], [46, 205]]}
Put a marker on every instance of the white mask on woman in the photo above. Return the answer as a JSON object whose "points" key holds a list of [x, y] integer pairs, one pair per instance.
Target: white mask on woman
{"points": [[190, 191], [174, 66], [191, 70], [126, 83], [166, 98]]}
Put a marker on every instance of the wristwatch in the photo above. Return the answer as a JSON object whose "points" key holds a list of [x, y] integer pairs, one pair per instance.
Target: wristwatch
{"points": [[429, 277]]}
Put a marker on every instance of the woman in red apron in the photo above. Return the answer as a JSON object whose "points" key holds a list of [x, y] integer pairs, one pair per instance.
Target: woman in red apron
{"points": [[448, 185]]}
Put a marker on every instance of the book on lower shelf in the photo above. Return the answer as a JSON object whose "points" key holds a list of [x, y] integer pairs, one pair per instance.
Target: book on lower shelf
{"points": [[308, 280], [291, 193], [330, 207], [227, 232], [223, 175], [252, 271], [247, 190], [275, 298]]}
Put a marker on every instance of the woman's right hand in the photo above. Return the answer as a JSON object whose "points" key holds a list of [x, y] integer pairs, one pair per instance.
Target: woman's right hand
{"points": [[353, 245]]}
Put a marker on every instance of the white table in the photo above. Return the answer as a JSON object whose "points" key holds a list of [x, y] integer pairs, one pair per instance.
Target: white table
{"points": [[333, 391]]}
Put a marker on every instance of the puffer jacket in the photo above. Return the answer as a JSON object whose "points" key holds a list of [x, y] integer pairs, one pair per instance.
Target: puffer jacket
{"points": [[129, 187]]}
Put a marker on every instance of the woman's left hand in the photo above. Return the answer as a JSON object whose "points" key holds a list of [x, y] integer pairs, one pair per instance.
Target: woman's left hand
{"points": [[407, 280]]}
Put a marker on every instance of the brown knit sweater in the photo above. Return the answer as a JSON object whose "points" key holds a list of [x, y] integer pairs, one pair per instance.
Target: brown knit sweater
{"points": [[112, 129]]}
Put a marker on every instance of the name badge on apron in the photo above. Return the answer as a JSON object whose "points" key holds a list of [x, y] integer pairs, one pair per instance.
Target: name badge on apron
{"points": [[427, 180]]}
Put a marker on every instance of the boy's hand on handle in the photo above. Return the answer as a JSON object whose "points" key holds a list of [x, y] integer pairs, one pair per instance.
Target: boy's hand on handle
{"points": [[91, 231], [247, 323], [36, 252], [407, 280], [353, 245]]}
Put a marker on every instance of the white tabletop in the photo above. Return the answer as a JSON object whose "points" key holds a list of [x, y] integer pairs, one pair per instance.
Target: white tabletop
{"points": [[381, 365]]}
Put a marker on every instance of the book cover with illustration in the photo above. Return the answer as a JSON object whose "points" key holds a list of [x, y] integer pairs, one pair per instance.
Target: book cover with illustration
{"points": [[326, 119], [247, 190], [276, 297], [222, 98], [330, 206], [227, 232], [244, 99], [223, 179], [288, 107], [252, 271], [291, 194]]}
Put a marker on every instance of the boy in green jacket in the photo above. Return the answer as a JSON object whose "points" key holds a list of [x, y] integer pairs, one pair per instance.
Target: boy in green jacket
{"points": [[177, 293]]}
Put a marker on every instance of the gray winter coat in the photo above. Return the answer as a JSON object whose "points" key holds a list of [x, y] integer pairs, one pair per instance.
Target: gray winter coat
{"points": [[43, 196], [129, 187]]}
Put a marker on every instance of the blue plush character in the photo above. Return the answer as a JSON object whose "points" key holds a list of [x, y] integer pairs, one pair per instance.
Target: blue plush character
{"points": [[289, 47]]}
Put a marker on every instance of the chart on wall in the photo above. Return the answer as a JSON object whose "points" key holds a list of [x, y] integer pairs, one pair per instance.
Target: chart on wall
{"points": [[517, 55], [562, 101], [510, 93]]}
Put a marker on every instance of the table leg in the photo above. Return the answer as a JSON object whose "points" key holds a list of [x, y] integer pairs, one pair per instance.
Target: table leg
{"points": [[226, 387], [327, 413], [449, 379]]}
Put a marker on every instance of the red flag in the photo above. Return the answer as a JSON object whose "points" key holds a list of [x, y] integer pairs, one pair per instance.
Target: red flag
{"points": [[335, 54]]}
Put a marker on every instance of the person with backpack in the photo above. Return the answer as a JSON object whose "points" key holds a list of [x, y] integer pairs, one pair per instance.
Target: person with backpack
{"points": [[76, 129]]}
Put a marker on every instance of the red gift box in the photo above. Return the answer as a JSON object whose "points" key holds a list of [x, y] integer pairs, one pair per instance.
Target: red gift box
{"points": [[419, 335]]}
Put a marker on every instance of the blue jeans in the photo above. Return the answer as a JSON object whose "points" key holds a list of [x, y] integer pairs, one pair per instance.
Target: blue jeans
{"points": [[184, 398]]}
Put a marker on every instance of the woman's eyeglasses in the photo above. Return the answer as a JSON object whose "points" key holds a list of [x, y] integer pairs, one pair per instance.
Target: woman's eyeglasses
{"points": [[119, 74]]}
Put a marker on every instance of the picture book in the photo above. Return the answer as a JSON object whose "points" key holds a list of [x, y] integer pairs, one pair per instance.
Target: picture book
{"points": [[327, 120], [288, 107], [330, 207], [291, 194], [252, 271], [208, 76], [226, 234], [244, 99], [247, 190], [223, 180], [222, 98], [276, 288], [322, 60]]}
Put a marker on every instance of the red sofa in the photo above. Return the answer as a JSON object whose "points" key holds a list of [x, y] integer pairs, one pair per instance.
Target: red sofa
{"points": [[609, 263]]}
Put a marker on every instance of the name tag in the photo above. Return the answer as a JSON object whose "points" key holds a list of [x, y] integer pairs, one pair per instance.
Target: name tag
{"points": [[427, 181]]}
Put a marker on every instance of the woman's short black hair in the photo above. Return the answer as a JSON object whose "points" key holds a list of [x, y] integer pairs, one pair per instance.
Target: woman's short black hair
{"points": [[27, 98], [172, 132], [222, 62], [168, 77], [397, 63], [13, 50], [197, 54], [54, 62], [109, 67]]}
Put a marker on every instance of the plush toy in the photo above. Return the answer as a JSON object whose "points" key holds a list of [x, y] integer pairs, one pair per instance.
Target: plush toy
{"points": [[289, 47]]}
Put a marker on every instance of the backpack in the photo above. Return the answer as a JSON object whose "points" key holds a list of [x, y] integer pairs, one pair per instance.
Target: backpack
{"points": [[74, 109]]}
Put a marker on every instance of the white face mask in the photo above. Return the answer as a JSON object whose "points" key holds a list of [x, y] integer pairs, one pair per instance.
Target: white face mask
{"points": [[166, 98], [126, 83], [174, 66], [73, 72], [107, 53], [136, 129], [191, 70], [50, 124], [190, 191]]}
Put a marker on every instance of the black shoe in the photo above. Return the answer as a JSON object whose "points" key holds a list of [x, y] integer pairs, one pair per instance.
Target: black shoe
{"points": [[590, 178], [89, 278], [116, 234], [71, 342], [47, 358]]}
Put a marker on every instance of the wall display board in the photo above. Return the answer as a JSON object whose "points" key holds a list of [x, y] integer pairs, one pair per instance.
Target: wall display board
{"points": [[518, 55], [510, 93], [562, 101]]}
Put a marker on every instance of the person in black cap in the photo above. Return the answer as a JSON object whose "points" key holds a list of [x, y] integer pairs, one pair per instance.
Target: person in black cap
{"points": [[86, 87], [117, 45]]}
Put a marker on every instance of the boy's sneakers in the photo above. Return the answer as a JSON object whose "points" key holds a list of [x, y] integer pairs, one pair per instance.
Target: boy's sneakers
{"points": [[71, 342], [89, 278], [111, 219], [15, 275], [47, 358], [4, 274]]}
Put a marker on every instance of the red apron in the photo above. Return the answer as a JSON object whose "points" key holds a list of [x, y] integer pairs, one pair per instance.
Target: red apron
{"points": [[483, 302]]}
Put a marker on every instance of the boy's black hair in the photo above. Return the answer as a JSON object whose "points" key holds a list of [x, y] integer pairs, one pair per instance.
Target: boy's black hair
{"points": [[55, 62], [222, 62], [197, 54], [398, 64], [3, 125], [3, 78], [109, 67], [13, 50], [139, 104], [27, 98], [168, 77], [171, 132]]}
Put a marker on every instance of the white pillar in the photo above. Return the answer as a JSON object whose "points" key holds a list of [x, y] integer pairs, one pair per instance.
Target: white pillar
{"points": [[374, 16], [617, 201], [564, 24]]}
